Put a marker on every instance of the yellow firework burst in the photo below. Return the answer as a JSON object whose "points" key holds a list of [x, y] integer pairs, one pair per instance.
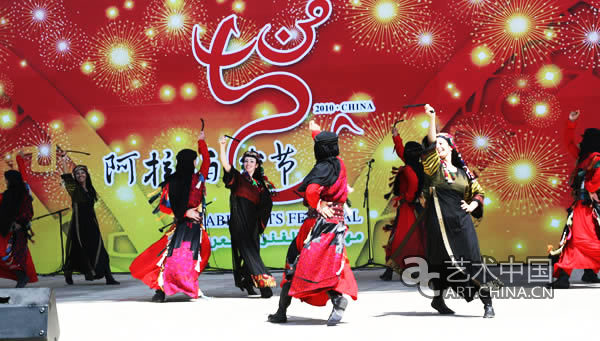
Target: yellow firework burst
{"points": [[64, 48], [123, 60], [518, 83], [516, 31], [580, 40], [376, 143], [171, 24], [38, 16], [6, 89], [7, 34], [430, 43], [529, 174], [541, 109], [41, 139], [383, 24], [478, 135]]}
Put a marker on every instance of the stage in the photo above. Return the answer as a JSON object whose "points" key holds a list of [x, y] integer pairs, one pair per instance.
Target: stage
{"points": [[94, 311]]}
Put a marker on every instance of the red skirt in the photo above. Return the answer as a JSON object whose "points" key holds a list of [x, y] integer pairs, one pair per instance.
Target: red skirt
{"points": [[12, 263], [415, 247], [320, 269], [179, 270], [583, 249]]}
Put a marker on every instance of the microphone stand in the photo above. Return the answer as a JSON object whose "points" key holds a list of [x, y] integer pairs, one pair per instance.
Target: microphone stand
{"points": [[62, 247], [370, 260]]}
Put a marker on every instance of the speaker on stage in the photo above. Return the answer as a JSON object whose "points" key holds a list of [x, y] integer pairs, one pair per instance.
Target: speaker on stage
{"points": [[28, 314]]}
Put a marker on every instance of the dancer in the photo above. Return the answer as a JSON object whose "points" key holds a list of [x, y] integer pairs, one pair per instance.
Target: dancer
{"points": [[455, 195], [85, 252], [175, 261], [16, 211], [250, 205], [580, 246], [407, 188], [317, 267]]}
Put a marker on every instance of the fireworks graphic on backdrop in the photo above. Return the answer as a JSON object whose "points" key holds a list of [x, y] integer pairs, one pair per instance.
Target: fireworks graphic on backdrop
{"points": [[383, 25], [6, 89], [123, 61], [169, 24], [6, 32], [517, 31], [467, 10], [36, 17], [477, 138], [430, 43], [64, 48], [374, 144], [289, 36], [297, 9], [580, 38], [517, 83], [43, 137], [529, 174], [541, 109]]}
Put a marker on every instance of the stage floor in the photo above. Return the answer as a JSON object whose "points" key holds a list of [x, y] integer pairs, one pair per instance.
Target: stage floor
{"points": [[94, 311]]}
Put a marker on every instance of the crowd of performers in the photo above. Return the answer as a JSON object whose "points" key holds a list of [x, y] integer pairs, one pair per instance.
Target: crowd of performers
{"points": [[438, 202]]}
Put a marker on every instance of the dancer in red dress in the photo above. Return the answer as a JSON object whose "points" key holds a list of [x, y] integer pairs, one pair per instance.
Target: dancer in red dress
{"points": [[581, 243], [407, 188], [16, 211], [175, 261], [317, 266]]}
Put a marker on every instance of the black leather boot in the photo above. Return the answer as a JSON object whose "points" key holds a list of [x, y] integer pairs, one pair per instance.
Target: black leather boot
{"points": [[562, 282], [159, 296], [266, 292], [488, 311], [22, 279], [110, 280], [439, 304], [387, 275], [249, 288], [339, 306], [284, 303], [68, 277], [589, 276]]}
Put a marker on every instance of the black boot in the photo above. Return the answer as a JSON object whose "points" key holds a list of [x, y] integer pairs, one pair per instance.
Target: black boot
{"points": [[488, 311], [266, 292], [387, 275], [589, 276], [284, 303], [110, 280], [249, 288], [159, 296], [339, 306], [22, 279], [562, 282], [68, 277], [439, 304]]}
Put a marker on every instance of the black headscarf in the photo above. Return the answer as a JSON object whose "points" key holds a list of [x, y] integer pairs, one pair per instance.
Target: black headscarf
{"points": [[180, 182], [590, 143], [327, 169], [12, 199]]}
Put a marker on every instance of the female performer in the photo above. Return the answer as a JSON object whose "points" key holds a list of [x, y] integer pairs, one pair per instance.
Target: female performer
{"points": [[407, 187], [250, 205], [85, 252], [581, 247], [16, 211], [452, 244], [175, 261], [317, 267]]}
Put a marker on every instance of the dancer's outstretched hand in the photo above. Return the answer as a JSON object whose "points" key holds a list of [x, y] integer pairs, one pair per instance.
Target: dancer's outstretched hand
{"points": [[429, 111], [193, 214], [312, 125], [201, 136], [574, 115], [468, 207]]}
